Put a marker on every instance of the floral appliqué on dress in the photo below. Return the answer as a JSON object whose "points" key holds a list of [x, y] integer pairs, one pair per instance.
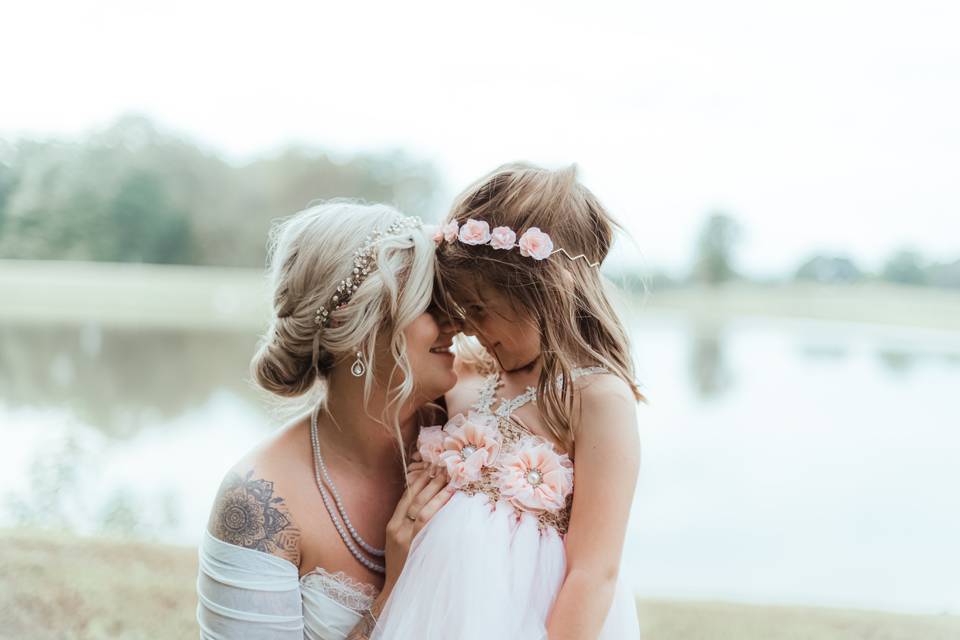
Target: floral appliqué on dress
{"points": [[487, 452]]}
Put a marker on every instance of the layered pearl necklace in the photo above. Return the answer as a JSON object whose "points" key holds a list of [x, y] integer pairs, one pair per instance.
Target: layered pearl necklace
{"points": [[348, 533]]}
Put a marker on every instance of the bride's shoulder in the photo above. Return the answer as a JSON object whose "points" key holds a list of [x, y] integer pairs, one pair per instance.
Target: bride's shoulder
{"points": [[253, 507]]}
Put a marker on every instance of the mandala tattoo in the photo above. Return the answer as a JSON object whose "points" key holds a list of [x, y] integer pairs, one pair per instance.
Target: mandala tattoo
{"points": [[247, 514]]}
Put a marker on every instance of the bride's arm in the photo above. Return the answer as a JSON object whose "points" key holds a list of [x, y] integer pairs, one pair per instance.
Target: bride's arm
{"points": [[426, 493], [248, 583], [607, 463]]}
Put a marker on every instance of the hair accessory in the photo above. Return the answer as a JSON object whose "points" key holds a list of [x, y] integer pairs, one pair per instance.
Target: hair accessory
{"points": [[533, 243], [363, 263]]}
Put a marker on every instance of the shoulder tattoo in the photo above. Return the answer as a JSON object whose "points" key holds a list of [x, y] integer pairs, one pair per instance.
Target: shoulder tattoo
{"points": [[248, 514]]}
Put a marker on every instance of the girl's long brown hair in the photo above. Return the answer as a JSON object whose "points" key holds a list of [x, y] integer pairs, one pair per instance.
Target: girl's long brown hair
{"points": [[567, 299]]}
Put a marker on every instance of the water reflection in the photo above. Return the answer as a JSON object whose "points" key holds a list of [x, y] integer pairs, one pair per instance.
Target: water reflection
{"points": [[710, 373], [824, 352], [896, 361], [130, 432], [118, 380]]}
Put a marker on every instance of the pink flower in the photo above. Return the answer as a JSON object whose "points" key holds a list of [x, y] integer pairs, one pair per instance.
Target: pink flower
{"points": [[430, 444], [470, 444], [475, 232], [535, 244], [503, 238], [535, 477], [450, 231], [437, 236]]}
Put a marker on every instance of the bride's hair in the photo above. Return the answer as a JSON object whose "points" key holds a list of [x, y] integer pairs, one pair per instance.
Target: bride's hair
{"points": [[567, 299], [310, 253]]}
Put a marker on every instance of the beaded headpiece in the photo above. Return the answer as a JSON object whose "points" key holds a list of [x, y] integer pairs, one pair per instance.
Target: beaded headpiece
{"points": [[363, 263], [533, 243]]}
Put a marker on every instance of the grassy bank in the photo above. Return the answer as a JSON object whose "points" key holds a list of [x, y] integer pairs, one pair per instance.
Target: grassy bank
{"points": [[68, 587], [219, 298]]}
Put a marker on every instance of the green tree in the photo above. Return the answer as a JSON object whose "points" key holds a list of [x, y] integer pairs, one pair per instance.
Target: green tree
{"points": [[905, 267], [134, 193], [715, 249]]}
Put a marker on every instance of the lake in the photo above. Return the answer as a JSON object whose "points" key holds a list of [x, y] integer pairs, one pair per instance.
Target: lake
{"points": [[783, 461]]}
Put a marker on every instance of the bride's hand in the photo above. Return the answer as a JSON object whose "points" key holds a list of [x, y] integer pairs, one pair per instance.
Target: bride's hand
{"points": [[426, 493], [417, 464]]}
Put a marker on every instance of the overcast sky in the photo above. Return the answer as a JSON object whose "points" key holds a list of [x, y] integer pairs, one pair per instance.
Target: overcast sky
{"points": [[819, 124]]}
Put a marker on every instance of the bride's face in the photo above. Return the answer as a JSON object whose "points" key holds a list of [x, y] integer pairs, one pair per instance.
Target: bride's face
{"points": [[428, 351], [511, 336]]}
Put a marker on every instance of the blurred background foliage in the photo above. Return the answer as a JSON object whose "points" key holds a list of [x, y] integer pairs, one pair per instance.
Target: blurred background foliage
{"points": [[134, 193]]}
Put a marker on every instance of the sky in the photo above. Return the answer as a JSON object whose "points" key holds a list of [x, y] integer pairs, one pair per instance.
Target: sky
{"points": [[819, 125]]}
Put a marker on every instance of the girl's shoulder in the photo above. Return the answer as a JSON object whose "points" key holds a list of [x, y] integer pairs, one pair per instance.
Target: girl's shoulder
{"points": [[604, 398], [594, 384]]}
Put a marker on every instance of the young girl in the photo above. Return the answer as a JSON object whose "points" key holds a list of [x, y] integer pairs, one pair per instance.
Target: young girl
{"points": [[517, 553]]}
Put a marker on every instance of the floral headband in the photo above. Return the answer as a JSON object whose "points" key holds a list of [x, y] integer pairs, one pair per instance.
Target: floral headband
{"points": [[533, 243], [363, 263]]}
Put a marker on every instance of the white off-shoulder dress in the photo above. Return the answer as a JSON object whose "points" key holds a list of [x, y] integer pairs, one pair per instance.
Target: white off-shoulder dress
{"points": [[253, 595], [490, 563]]}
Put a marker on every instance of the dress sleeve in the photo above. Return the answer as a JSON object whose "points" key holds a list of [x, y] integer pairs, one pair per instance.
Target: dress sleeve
{"points": [[245, 593]]}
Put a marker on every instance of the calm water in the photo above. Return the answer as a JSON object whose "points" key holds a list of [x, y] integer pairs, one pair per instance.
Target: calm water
{"points": [[783, 461]]}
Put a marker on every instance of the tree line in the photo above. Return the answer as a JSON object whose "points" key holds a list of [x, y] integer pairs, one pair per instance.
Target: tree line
{"points": [[719, 237], [134, 193]]}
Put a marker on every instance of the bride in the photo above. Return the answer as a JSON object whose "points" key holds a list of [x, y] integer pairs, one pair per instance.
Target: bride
{"points": [[310, 527]]}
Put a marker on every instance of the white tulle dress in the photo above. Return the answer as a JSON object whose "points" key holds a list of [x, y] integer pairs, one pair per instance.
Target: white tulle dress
{"points": [[491, 562], [253, 595]]}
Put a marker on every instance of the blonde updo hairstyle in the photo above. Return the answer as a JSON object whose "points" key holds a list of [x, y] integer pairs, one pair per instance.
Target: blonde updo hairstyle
{"points": [[309, 254]]}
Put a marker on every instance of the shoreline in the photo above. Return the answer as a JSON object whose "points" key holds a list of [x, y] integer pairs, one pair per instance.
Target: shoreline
{"points": [[130, 295], [55, 586]]}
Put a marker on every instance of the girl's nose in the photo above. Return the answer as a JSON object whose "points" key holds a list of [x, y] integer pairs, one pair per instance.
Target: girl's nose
{"points": [[450, 325]]}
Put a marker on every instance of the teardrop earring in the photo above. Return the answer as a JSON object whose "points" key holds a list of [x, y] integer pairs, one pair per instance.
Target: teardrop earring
{"points": [[359, 367]]}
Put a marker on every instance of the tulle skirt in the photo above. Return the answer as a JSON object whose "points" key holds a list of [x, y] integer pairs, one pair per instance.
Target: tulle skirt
{"points": [[476, 573]]}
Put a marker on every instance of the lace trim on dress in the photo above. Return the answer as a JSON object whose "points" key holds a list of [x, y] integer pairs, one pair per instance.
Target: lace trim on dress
{"points": [[342, 589], [511, 433], [506, 408]]}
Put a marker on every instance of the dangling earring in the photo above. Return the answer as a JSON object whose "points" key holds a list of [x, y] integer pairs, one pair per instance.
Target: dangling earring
{"points": [[358, 368]]}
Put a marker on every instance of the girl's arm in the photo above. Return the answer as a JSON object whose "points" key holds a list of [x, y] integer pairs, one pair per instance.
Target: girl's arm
{"points": [[607, 463]]}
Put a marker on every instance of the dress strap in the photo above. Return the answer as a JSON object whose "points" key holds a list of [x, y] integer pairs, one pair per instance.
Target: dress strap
{"points": [[587, 371], [488, 392]]}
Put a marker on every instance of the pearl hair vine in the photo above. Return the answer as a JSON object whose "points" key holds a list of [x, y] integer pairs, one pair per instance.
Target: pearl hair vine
{"points": [[363, 263], [533, 243]]}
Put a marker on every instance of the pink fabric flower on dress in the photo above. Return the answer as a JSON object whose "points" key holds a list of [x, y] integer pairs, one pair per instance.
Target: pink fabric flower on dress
{"points": [[470, 444], [535, 477], [450, 231], [535, 244], [475, 232], [430, 444], [503, 238]]}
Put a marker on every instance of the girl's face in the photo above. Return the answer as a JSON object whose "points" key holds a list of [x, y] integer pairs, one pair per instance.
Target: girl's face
{"points": [[509, 335], [428, 351]]}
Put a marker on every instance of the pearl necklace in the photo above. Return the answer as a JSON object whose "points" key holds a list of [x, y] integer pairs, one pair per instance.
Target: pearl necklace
{"points": [[350, 533]]}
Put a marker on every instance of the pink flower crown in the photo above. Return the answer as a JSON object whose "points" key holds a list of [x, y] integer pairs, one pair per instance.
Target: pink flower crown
{"points": [[533, 243]]}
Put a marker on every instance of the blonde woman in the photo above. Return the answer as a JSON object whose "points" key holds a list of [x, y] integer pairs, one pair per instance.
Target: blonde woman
{"points": [[311, 528]]}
